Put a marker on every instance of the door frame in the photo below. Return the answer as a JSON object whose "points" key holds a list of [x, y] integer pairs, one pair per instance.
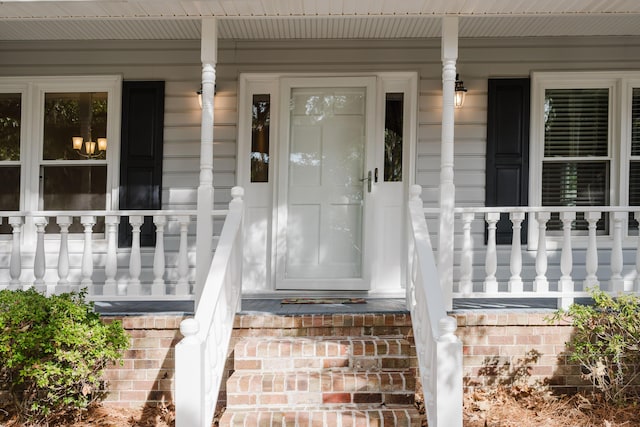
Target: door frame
{"points": [[261, 199]]}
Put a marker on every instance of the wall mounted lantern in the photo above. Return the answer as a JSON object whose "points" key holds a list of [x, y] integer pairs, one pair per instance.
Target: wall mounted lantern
{"points": [[460, 92]]}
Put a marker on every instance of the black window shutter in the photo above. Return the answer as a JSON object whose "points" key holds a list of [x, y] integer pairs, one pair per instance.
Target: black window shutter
{"points": [[141, 155], [507, 172]]}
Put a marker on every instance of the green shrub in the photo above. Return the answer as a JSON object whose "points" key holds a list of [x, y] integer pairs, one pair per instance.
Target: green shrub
{"points": [[53, 351], [606, 343]]}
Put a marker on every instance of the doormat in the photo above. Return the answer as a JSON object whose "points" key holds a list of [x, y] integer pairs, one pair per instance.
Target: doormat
{"points": [[324, 301]]}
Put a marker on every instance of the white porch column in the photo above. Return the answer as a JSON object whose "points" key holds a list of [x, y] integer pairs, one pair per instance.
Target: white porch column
{"points": [[204, 228], [447, 188]]}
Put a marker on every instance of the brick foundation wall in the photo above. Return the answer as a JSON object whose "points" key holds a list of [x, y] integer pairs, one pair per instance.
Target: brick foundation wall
{"points": [[497, 344], [147, 375]]}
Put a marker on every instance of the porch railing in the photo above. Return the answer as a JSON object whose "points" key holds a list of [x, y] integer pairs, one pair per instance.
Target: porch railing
{"points": [[439, 350], [202, 353], [569, 251], [63, 262]]}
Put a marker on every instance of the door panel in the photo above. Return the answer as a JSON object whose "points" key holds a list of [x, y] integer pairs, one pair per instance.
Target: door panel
{"points": [[322, 209], [326, 161]]}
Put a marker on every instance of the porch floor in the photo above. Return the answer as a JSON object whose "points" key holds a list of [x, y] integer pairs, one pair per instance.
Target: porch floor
{"points": [[275, 306]]}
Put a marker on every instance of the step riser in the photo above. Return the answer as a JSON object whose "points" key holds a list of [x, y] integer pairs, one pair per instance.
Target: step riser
{"points": [[304, 400], [325, 382], [268, 356], [324, 418], [305, 389]]}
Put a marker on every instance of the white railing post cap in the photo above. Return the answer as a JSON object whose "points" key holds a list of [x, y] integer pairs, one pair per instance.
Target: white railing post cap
{"points": [[415, 191], [237, 192], [189, 327]]}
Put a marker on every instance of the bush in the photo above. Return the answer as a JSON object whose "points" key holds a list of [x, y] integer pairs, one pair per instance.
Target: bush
{"points": [[606, 343], [53, 351]]}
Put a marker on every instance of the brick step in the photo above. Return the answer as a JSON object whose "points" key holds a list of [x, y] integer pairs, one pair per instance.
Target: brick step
{"points": [[317, 325], [288, 353], [322, 417], [335, 387]]}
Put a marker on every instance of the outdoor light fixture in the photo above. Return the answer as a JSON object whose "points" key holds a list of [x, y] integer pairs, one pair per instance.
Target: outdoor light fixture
{"points": [[199, 93], [90, 147], [460, 92]]}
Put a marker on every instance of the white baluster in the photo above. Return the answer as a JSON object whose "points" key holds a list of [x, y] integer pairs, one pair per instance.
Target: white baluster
{"points": [[63, 256], [541, 284], [637, 281], [565, 284], [515, 282], [592, 250], [466, 258], [15, 266], [158, 287], [490, 284], [616, 283], [182, 287], [111, 264], [39, 262], [87, 256], [135, 261]]}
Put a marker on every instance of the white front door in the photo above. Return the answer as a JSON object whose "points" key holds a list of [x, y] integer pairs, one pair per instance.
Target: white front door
{"points": [[324, 218]]}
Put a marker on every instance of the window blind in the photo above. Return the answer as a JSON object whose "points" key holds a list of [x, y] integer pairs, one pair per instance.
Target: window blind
{"points": [[634, 166], [576, 122]]}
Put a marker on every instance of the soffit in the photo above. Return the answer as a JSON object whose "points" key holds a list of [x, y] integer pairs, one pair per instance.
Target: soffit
{"points": [[313, 19]]}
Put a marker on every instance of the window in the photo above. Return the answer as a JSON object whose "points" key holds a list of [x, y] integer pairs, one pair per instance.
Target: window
{"points": [[70, 138], [634, 162], [585, 143], [10, 137]]}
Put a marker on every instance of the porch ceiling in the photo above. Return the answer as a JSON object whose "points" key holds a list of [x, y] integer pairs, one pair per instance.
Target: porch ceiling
{"points": [[301, 19]]}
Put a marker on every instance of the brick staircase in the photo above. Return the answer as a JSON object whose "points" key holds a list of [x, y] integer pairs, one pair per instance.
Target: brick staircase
{"points": [[322, 370]]}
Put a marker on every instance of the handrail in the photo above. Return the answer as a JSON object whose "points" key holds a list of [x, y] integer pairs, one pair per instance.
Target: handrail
{"points": [[202, 353], [439, 350]]}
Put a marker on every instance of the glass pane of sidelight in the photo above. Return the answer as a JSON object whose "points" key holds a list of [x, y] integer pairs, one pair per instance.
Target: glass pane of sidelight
{"points": [[260, 117], [75, 126], [10, 110], [74, 188], [393, 125]]}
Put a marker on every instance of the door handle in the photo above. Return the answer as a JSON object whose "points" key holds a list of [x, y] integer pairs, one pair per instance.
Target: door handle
{"points": [[368, 179]]}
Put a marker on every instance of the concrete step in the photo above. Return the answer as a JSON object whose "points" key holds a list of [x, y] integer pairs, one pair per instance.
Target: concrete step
{"points": [[323, 417]]}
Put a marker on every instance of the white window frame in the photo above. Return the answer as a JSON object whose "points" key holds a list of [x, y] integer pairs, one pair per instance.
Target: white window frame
{"points": [[620, 85], [33, 91]]}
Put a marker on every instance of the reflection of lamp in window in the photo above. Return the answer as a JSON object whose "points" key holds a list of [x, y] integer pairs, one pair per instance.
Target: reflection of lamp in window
{"points": [[460, 93], [89, 147]]}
